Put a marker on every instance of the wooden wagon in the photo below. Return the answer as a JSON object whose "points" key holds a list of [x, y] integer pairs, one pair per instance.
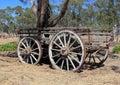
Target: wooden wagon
{"points": [[67, 47]]}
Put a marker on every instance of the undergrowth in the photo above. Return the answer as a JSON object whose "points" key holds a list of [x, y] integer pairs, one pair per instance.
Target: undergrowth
{"points": [[8, 47], [116, 49]]}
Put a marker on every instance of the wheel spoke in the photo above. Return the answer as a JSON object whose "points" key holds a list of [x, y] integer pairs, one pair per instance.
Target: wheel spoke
{"points": [[75, 59], [60, 41], [35, 49], [22, 52], [98, 58], [30, 42], [100, 55], [90, 58], [27, 60], [31, 60], [58, 60], [35, 53], [24, 57], [67, 64], [94, 59], [64, 39], [71, 62], [57, 55], [72, 44], [24, 45], [87, 56], [22, 48], [74, 53], [68, 43], [73, 48], [33, 45], [62, 64], [33, 57], [57, 45]]}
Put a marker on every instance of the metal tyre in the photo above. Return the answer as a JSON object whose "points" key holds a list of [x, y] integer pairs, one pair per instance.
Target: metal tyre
{"points": [[29, 50], [66, 51]]}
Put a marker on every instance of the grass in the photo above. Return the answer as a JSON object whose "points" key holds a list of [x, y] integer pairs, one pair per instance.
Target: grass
{"points": [[116, 49], [9, 47]]}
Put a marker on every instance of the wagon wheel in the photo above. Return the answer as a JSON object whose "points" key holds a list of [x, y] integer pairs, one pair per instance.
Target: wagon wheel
{"points": [[66, 51], [29, 50], [98, 57]]}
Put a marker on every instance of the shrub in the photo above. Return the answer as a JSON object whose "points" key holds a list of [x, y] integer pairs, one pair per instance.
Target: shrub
{"points": [[8, 47], [116, 49]]}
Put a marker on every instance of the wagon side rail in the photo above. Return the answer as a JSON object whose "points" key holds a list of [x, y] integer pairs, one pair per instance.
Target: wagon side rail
{"points": [[90, 37]]}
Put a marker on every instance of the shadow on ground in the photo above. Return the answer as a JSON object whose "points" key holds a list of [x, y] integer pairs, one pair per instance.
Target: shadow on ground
{"points": [[86, 66]]}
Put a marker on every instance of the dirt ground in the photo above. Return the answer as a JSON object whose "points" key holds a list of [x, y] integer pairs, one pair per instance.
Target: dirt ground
{"points": [[7, 40], [13, 72]]}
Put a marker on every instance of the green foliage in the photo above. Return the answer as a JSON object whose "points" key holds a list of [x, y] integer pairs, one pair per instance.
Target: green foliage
{"points": [[25, 19], [8, 47], [17, 17], [100, 14], [116, 49]]}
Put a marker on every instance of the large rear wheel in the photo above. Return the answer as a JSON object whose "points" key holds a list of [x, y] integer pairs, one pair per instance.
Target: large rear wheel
{"points": [[66, 51]]}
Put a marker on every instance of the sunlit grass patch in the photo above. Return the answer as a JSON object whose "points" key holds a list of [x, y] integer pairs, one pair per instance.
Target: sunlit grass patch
{"points": [[116, 49], [8, 47]]}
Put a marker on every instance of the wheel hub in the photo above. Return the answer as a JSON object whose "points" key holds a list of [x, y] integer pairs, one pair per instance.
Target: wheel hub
{"points": [[64, 51], [28, 50]]}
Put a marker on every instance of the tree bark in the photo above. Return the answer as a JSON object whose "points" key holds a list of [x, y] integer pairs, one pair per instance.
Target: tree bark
{"points": [[43, 11], [61, 15], [34, 8]]}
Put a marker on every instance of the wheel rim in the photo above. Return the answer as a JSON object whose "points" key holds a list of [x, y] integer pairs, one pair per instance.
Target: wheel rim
{"points": [[29, 50], [98, 57], [66, 51]]}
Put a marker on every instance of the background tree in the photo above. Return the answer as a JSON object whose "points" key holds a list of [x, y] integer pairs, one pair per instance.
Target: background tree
{"points": [[107, 13], [24, 18], [6, 20], [43, 10], [74, 14]]}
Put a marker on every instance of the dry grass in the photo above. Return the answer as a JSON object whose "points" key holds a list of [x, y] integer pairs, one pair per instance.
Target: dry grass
{"points": [[13, 72], [7, 40]]}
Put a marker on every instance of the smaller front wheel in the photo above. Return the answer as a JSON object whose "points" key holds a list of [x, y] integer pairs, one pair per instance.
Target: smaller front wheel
{"points": [[29, 50], [98, 57]]}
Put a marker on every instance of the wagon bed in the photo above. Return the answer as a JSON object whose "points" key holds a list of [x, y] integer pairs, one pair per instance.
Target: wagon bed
{"points": [[68, 47]]}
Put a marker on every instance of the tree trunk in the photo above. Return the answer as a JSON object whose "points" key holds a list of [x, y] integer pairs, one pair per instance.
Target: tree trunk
{"points": [[43, 13]]}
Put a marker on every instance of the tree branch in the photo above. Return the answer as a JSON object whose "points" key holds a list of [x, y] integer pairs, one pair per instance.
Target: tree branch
{"points": [[34, 8], [61, 15]]}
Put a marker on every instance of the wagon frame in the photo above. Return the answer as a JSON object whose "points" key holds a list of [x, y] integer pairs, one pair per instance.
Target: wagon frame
{"points": [[68, 47]]}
